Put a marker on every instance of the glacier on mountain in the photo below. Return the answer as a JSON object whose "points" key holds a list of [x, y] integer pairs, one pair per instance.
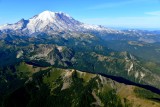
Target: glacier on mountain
{"points": [[49, 22]]}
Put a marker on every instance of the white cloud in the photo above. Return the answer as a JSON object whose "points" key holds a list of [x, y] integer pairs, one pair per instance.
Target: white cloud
{"points": [[154, 13], [129, 22]]}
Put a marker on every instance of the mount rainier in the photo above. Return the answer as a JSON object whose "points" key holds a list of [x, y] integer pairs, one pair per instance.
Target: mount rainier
{"points": [[49, 22]]}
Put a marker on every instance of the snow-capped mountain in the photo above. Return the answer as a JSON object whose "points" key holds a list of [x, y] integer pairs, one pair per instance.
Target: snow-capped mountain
{"points": [[49, 22]]}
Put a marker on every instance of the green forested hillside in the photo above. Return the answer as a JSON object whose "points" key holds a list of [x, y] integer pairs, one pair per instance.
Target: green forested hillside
{"points": [[81, 51], [49, 86]]}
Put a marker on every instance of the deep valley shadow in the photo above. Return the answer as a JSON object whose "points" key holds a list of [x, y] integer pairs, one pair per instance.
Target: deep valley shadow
{"points": [[127, 82]]}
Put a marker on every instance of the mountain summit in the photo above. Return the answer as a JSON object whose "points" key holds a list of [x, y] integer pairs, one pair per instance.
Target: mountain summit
{"points": [[49, 22]]}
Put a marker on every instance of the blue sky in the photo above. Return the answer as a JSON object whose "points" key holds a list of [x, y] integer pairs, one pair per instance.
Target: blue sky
{"points": [[111, 13]]}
